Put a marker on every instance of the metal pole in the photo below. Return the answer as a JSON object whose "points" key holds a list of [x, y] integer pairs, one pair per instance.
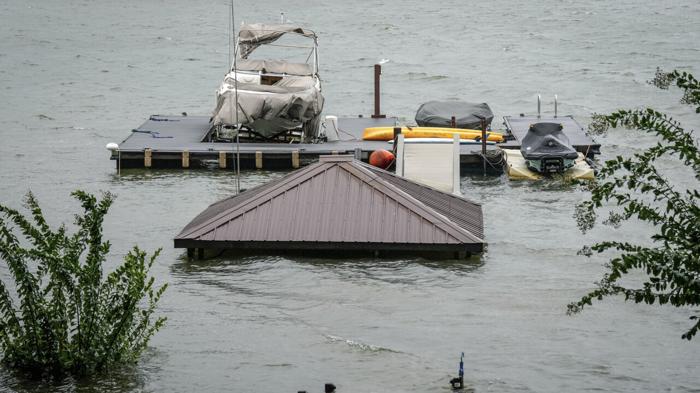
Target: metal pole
{"points": [[377, 112], [538, 106], [453, 122], [555, 106], [235, 85], [119, 162]]}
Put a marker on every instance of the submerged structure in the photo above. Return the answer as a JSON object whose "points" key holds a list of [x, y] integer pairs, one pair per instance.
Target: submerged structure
{"points": [[339, 204]]}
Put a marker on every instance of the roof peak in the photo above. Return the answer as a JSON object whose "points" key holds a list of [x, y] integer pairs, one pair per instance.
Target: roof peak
{"points": [[336, 158]]}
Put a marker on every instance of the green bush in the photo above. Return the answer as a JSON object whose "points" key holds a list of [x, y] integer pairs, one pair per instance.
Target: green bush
{"points": [[637, 189], [62, 314]]}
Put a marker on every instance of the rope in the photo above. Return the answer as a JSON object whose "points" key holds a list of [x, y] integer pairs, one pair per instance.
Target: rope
{"points": [[153, 118], [488, 161], [154, 134]]}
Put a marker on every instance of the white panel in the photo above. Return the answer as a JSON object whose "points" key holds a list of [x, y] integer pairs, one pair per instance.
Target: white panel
{"points": [[431, 164]]}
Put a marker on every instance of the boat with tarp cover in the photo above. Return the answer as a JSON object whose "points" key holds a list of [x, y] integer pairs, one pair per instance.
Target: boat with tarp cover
{"points": [[270, 98]]}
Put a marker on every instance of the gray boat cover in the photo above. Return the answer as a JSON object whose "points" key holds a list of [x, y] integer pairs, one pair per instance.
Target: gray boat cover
{"points": [[546, 140], [251, 36], [274, 67], [268, 109], [467, 115]]}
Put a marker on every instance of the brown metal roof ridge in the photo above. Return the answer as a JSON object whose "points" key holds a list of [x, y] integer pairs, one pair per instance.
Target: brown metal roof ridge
{"points": [[440, 221], [466, 218], [314, 208], [276, 188]]}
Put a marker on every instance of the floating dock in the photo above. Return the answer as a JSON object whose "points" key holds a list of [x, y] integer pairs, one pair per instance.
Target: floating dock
{"points": [[183, 142], [517, 127], [180, 142]]}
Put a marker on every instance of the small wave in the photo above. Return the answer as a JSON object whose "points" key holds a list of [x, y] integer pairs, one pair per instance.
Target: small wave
{"points": [[41, 116], [425, 77], [279, 365], [359, 345]]}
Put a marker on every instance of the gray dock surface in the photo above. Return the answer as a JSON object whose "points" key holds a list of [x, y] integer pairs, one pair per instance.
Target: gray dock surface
{"points": [[517, 126], [167, 137], [182, 142]]}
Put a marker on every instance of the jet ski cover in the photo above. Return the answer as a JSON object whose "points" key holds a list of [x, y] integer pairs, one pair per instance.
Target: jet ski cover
{"points": [[467, 115], [545, 140]]}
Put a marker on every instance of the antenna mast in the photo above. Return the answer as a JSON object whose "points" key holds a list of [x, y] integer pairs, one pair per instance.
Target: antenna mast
{"points": [[235, 88]]}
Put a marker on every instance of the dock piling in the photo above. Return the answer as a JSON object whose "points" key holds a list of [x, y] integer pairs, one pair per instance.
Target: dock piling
{"points": [[258, 159], [185, 159], [377, 97], [147, 158], [295, 159], [222, 159], [483, 143]]}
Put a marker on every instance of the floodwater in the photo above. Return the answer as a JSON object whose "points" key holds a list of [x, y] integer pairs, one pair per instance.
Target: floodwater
{"points": [[75, 75]]}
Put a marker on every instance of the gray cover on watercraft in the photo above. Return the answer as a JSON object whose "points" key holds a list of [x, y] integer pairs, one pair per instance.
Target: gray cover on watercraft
{"points": [[274, 67], [544, 140], [269, 109], [253, 35], [467, 115]]}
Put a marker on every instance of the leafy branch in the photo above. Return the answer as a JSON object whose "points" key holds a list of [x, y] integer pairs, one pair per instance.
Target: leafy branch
{"points": [[637, 189]]}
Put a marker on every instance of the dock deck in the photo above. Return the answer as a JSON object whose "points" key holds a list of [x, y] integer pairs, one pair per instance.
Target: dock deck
{"points": [[517, 126], [182, 142]]}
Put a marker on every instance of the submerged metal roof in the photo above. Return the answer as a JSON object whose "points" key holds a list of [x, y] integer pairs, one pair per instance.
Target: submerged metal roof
{"points": [[341, 204]]}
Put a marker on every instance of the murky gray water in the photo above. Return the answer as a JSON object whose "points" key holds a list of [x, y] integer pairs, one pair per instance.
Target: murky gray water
{"points": [[75, 75]]}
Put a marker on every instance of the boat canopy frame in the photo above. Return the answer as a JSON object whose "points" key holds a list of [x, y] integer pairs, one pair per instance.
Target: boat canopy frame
{"points": [[252, 36]]}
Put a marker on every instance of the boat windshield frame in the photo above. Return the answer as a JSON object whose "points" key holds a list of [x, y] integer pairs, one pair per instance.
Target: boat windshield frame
{"points": [[310, 34]]}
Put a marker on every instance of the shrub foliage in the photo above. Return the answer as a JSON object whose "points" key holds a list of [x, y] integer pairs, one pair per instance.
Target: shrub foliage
{"points": [[62, 313], [637, 189]]}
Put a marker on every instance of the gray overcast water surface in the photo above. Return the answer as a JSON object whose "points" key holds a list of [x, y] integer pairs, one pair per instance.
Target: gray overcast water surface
{"points": [[75, 75]]}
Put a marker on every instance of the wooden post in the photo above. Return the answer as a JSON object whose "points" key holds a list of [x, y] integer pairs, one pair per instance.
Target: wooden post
{"points": [[456, 152], [222, 159], [258, 160], [200, 253], [295, 159], [147, 158], [185, 159], [483, 143], [190, 253], [358, 154], [377, 97], [397, 132], [334, 152]]}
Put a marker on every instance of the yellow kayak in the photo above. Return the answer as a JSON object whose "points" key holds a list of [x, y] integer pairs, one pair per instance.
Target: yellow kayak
{"points": [[387, 133]]}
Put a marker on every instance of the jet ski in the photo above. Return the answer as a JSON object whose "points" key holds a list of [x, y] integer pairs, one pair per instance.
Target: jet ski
{"points": [[546, 149]]}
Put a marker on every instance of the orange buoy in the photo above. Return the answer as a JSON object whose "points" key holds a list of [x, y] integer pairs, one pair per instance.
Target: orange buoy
{"points": [[381, 158]]}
